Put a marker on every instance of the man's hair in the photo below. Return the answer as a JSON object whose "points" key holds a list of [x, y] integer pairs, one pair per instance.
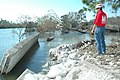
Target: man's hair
{"points": [[101, 8]]}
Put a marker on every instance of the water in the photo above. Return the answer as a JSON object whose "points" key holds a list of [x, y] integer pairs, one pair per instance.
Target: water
{"points": [[8, 39], [38, 54]]}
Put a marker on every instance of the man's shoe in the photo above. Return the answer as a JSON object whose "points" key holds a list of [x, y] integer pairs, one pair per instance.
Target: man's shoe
{"points": [[100, 53], [103, 52]]}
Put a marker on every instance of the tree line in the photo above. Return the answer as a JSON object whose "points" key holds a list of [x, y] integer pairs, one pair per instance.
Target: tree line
{"points": [[51, 20]]}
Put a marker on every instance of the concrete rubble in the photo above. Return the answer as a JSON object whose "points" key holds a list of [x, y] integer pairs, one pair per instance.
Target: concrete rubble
{"points": [[80, 62]]}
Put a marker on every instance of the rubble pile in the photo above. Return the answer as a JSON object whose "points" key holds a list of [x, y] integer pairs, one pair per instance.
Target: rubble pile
{"points": [[79, 62]]}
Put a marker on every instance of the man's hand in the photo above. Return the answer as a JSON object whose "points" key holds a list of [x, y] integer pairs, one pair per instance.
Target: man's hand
{"points": [[92, 32]]}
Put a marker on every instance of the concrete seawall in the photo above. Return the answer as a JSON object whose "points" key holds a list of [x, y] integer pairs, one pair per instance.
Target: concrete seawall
{"points": [[14, 54]]}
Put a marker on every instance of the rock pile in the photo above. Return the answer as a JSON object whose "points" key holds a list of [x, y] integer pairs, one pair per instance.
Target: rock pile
{"points": [[77, 62]]}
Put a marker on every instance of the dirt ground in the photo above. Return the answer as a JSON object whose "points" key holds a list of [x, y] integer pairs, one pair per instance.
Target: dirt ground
{"points": [[110, 61]]}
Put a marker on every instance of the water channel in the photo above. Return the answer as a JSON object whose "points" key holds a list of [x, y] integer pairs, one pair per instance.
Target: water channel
{"points": [[38, 54]]}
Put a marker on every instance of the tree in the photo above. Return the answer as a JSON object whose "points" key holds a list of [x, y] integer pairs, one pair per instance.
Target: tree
{"points": [[27, 22], [48, 22], [19, 33], [71, 20], [74, 19], [82, 15], [114, 22], [5, 23], [83, 22], [24, 19], [66, 22], [114, 4], [23, 22]]}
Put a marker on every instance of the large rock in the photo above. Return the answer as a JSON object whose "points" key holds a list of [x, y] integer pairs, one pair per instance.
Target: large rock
{"points": [[57, 70]]}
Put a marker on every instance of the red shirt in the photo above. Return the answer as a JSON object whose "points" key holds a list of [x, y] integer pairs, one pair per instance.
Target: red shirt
{"points": [[100, 19]]}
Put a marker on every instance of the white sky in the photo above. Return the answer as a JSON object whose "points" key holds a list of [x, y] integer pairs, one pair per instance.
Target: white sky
{"points": [[12, 9]]}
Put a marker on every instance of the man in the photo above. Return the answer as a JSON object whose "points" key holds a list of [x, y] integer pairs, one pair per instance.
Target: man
{"points": [[99, 27]]}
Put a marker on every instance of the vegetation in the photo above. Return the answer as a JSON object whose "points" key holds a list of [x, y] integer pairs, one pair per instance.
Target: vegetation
{"points": [[48, 22], [114, 4], [24, 21], [5, 23], [51, 21], [19, 33], [114, 21], [72, 20]]}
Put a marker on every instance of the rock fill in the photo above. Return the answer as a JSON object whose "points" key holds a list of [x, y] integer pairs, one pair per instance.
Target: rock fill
{"points": [[78, 62]]}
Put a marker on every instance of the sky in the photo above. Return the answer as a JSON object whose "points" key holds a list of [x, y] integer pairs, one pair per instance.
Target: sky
{"points": [[12, 9]]}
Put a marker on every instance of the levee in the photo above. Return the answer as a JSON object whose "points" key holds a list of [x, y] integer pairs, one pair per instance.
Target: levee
{"points": [[13, 55]]}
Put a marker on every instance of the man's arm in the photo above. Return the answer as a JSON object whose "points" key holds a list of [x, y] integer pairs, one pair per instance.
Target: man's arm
{"points": [[93, 28], [97, 20]]}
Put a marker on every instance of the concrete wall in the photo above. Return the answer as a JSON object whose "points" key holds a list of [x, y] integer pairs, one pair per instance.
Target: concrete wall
{"points": [[13, 55]]}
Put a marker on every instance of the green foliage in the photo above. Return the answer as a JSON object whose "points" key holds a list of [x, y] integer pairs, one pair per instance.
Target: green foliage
{"points": [[72, 19], [66, 21], [115, 4]]}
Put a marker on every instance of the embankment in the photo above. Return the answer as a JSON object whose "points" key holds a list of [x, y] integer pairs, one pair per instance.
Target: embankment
{"points": [[13, 55], [79, 62]]}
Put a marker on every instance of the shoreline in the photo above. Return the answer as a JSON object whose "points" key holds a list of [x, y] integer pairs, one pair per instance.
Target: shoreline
{"points": [[78, 62]]}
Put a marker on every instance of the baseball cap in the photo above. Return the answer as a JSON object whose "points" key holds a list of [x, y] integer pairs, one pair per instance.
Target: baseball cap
{"points": [[98, 6]]}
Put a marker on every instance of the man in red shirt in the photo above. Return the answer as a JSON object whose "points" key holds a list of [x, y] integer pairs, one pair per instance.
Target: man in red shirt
{"points": [[99, 27]]}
